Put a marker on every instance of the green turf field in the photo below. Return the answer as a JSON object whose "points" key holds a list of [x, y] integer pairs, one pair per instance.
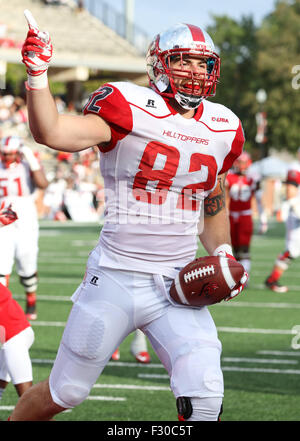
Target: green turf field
{"points": [[261, 350]]}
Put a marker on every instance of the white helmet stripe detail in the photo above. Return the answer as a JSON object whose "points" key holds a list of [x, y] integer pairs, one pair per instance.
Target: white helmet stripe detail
{"points": [[179, 290], [226, 272]]}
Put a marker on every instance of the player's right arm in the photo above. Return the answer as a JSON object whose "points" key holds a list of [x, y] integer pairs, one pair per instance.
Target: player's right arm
{"points": [[61, 132], [69, 133]]}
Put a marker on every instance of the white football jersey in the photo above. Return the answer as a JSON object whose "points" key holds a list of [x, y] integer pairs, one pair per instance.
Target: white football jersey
{"points": [[17, 189], [157, 169]]}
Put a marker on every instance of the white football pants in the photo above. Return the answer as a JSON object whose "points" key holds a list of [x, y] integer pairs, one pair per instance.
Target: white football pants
{"points": [[15, 363], [19, 244], [108, 306]]}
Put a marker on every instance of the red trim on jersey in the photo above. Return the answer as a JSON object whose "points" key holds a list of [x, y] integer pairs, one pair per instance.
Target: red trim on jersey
{"points": [[217, 131], [109, 103], [235, 151], [12, 316], [196, 32]]}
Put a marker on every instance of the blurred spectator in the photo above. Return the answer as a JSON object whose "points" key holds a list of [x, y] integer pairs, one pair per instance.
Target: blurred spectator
{"points": [[78, 200], [81, 170], [53, 198], [80, 5]]}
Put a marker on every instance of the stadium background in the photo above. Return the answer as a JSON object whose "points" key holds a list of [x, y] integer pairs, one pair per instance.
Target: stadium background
{"points": [[259, 330]]}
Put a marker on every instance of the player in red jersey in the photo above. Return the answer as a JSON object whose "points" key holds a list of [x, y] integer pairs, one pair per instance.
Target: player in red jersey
{"points": [[16, 334], [240, 191], [165, 152], [20, 174], [290, 213]]}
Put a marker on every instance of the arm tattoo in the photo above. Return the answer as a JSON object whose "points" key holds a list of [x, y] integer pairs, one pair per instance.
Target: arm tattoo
{"points": [[215, 202]]}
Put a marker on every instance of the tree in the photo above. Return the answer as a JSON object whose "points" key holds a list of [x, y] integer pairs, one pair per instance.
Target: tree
{"points": [[267, 57], [237, 46], [278, 58]]}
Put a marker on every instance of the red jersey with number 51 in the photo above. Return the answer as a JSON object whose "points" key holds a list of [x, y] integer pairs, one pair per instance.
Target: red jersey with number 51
{"points": [[157, 169]]}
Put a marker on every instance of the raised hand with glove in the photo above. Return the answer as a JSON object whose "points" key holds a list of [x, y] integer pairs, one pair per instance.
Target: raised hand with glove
{"points": [[37, 53]]}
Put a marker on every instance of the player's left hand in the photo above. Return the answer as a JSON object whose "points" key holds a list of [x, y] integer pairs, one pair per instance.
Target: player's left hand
{"points": [[7, 215], [243, 280], [239, 288]]}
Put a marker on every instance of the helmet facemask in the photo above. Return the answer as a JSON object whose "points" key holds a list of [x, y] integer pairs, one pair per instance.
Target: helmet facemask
{"points": [[192, 87]]}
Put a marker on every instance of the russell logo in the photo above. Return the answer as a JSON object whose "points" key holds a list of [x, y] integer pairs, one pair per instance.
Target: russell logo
{"points": [[94, 280], [217, 119]]}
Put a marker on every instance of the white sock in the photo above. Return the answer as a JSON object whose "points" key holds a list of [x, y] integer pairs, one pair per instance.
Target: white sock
{"points": [[205, 409], [246, 264], [139, 343]]}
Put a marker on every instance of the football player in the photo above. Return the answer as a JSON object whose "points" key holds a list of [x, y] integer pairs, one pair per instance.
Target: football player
{"points": [[20, 175], [165, 151], [290, 213], [240, 191], [16, 334]]}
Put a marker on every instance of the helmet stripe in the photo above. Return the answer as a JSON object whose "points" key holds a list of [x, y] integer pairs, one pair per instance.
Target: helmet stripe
{"points": [[7, 141], [196, 32]]}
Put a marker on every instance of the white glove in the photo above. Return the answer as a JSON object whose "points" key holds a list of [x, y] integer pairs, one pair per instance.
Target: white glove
{"points": [[30, 158], [225, 250], [7, 215], [36, 54]]}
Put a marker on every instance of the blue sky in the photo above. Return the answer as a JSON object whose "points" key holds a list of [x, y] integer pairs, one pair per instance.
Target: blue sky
{"points": [[156, 15]]}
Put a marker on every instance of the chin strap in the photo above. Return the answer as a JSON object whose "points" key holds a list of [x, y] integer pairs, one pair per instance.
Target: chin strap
{"points": [[188, 102]]}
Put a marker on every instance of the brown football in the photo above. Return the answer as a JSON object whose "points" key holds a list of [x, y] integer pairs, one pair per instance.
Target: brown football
{"points": [[206, 280]]}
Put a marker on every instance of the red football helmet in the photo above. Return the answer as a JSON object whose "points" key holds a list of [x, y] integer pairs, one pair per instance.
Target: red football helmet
{"points": [[178, 41], [293, 177], [10, 149], [242, 163]]}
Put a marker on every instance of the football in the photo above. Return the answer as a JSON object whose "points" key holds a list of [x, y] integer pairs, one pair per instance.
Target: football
{"points": [[206, 281]]}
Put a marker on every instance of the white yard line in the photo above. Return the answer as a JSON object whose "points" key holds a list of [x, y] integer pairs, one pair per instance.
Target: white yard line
{"points": [[285, 353], [255, 330], [101, 398], [56, 280], [259, 305], [235, 369], [234, 303], [65, 261], [219, 328], [50, 324], [262, 287], [261, 370], [258, 360], [46, 297], [131, 387]]}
